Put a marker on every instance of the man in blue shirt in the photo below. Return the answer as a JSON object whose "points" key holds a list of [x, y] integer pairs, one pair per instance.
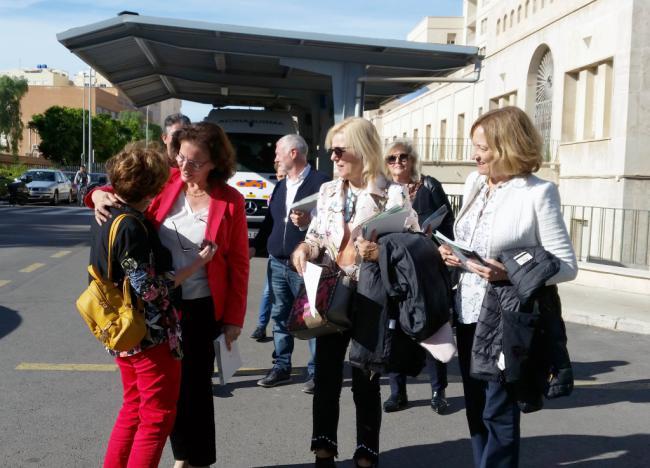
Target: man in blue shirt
{"points": [[281, 230]]}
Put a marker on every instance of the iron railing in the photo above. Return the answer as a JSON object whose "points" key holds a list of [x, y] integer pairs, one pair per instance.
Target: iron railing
{"points": [[460, 149], [610, 236]]}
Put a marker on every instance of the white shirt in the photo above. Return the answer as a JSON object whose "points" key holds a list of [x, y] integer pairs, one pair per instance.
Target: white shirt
{"points": [[185, 245], [292, 189]]}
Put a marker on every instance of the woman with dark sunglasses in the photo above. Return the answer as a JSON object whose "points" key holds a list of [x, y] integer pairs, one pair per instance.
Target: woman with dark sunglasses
{"points": [[427, 196], [197, 208], [359, 192]]}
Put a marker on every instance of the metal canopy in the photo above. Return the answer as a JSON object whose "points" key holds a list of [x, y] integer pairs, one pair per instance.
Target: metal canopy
{"points": [[151, 59]]}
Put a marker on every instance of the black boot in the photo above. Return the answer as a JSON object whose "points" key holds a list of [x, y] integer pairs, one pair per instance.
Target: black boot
{"points": [[396, 402], [325, 462], [439, 403]]}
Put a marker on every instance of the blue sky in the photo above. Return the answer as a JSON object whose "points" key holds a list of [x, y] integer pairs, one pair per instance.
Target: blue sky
{"points": [[28, 28]]}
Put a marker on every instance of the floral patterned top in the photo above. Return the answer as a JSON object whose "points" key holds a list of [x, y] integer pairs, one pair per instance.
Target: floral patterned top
{"points": [[139, 256], [473, 229], [327, 229]]}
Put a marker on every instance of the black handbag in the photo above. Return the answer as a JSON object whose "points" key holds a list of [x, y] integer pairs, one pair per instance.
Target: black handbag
{"points": [[333, 301]]}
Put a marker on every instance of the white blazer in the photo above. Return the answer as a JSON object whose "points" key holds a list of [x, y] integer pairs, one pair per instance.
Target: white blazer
{"points": [[527, 215]]}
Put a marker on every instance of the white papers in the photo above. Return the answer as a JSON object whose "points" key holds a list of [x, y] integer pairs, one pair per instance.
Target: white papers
{"points": [[311, 277], [441, 344], [462, 251], [391, 220], [306, 204], [228, 362], [435, 220]]}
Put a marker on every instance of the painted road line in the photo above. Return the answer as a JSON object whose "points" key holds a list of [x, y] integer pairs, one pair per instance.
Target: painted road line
{"points": [[61, 253], [44, 366], [32, 267], [4, 282]]}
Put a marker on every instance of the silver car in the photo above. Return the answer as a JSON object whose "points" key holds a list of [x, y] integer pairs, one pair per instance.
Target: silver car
{"points": [[47, 185]]}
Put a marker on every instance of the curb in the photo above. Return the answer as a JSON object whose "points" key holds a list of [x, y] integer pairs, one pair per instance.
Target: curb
{"points": [[610, 322]]}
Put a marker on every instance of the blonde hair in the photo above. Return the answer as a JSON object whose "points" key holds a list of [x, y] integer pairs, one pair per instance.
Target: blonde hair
{"points": [[514, 140], [408, 147], [362, 138]]}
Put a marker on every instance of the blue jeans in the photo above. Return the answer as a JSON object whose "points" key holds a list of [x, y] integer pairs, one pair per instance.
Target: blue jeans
{"points": [[265, 306], [285, 284], [437, 377]]}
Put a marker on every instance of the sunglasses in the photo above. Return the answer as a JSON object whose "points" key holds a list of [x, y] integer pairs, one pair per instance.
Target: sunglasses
{"points": [[392, 159], [337, 150], [183, 248]]}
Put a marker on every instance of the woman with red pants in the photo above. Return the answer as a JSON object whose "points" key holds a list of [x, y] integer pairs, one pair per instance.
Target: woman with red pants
{"points": [[151, 370]]}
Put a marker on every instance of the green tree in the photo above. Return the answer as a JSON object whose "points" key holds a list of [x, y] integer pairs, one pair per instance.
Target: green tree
{"points": [[60, 132], [11, 92], [135, 122]]}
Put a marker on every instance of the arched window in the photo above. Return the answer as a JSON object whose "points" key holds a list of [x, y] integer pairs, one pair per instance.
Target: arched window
{"points": [[519, 14], [539, 103], [498, 26], [527, 8], [505, 21], [512, 17]]}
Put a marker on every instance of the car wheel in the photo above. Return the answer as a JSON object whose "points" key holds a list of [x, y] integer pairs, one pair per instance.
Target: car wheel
{"points": [[55, 198]]}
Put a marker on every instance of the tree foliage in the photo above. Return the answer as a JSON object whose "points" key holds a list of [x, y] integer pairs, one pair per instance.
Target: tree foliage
{"points": [[11, 92], [60, 129]]}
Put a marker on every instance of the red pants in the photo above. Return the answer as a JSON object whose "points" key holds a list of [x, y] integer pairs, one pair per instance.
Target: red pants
{"points": [[151, 381]]}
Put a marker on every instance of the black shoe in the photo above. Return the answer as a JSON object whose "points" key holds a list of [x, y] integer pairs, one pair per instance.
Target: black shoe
{"points": [[396, 403], [309, 386], [325, 462], [439, 403], [275, 377], [259, 334]]}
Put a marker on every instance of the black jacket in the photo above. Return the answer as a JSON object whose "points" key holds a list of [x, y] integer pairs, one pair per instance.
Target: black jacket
{"points": [[521, 318], [401, 299], [429, 197], [278, 237]]}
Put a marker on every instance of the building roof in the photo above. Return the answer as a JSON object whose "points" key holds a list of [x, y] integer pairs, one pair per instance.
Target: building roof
{"points": [[151, 59]]}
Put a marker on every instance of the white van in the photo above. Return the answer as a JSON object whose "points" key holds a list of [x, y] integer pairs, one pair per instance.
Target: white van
{"points": [[254, 134]]}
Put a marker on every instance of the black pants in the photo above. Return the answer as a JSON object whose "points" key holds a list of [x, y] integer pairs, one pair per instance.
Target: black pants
{"points": [[328, 379], [491, 410], [437, 377], [193, 436]]}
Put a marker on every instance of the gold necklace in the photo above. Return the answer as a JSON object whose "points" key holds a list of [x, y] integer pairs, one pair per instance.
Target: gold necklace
{"points": [[194, 195]]}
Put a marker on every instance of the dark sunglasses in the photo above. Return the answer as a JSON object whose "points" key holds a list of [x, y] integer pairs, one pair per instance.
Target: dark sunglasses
{"points": [[392, 159], [337, 150]]}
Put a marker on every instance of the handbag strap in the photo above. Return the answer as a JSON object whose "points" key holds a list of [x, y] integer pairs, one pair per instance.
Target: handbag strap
{"points": [[111, 239]]}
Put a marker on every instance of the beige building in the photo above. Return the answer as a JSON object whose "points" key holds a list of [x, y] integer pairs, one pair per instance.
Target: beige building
{"points": [[579, 69]]}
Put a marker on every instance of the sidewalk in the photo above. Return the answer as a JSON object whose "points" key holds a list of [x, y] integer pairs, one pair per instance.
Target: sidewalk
{"points": [[605, 308]]}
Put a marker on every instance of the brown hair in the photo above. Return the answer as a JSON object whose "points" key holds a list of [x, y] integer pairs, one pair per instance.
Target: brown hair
{"points": [[514, 140], [215, 142], [137, 172]]}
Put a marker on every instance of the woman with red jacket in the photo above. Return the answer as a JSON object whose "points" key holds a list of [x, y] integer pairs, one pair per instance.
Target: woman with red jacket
{"points": [[197, 206]]}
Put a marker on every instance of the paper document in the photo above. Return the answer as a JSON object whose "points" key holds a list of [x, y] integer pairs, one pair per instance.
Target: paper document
{"points": [[435, 220], [311, 277], [228, 362], [391, 220], [462, 251], [306, 204]]}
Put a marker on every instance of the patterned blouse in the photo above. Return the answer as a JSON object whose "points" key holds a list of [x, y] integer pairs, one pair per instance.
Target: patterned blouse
{"points": [[139, 255], [473, 229]]}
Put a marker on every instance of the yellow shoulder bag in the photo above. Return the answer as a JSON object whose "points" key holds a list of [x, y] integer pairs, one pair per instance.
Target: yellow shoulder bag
{"points": [[109, 312]]}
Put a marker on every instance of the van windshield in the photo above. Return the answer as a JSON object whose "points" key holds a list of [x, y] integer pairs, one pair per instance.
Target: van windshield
{"points": [[255, 152]]}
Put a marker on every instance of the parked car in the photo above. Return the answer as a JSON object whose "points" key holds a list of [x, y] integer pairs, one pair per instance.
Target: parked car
{"points": [[41, 185], [75, 187], [97, 179]]}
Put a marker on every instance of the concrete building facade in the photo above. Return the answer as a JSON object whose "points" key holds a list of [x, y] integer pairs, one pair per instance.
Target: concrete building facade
{"points": [[579, 68]]}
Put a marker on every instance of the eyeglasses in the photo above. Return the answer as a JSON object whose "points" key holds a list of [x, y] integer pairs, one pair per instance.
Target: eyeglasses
{"points": [[392, 159], [337, 150], [193, 165], [178, 236]]}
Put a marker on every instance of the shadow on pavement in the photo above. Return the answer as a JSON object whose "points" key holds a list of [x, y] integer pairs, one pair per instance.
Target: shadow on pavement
{"points": [[9, 321], [536, 452], [588, 370], [631, 391]]}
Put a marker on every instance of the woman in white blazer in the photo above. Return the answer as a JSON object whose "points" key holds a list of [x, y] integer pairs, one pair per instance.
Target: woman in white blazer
{"points": [[504, 207]]}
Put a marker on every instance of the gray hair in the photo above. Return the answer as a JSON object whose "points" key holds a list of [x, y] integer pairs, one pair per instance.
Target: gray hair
{"points": [[173, 119], [407, 145], [295, 141]]}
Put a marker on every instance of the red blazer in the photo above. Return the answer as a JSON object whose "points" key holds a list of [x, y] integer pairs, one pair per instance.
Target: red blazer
{"points": [[228, 270]]}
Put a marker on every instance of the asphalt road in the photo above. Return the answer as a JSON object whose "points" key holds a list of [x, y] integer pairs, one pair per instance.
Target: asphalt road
{"points": [[59, 393]]}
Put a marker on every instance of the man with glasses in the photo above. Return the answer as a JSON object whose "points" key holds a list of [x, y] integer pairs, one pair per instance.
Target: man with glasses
{"points": [[281, 231], [173, 122]]}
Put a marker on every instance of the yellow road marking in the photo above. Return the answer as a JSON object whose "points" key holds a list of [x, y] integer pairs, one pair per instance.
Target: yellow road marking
{"points": [[44, 366], [32, 267], [61, 253], [4, 282]]}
